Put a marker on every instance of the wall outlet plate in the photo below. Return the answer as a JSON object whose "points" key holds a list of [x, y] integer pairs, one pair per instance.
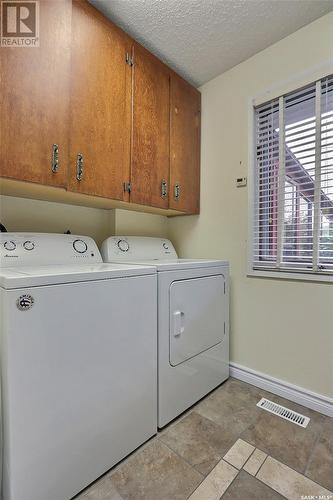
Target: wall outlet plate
{"points": [[241, 181]]}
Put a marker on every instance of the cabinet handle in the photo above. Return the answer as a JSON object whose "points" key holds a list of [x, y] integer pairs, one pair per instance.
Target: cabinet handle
{"points": [[79, 166], [164, 188], [55, 158], [127, 187], [176, 192]]}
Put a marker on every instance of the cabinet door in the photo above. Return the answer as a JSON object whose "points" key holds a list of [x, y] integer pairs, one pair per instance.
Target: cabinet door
{"points": [[34, 100], [150, 139], [184, 146], [100, 104]]}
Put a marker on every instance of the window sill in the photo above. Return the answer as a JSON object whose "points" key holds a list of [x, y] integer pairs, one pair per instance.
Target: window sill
{"points": [[286, 275]]}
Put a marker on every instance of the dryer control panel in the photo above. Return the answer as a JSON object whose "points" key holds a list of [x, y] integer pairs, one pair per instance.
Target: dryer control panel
{"points": [[129, 248], [43, 249]]}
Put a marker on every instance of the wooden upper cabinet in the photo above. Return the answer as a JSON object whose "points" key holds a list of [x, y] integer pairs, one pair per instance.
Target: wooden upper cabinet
{"points": [[150, 133], [185, 103], [34, 100], [93, 111], [100, 104]]}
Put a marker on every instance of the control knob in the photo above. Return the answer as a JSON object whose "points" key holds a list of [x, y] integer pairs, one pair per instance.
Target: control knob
{"points": [[80, 246], [123, 245], [10, 245], [28, 245]]}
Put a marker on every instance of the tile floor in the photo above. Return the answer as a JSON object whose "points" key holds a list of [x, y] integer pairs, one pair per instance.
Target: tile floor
{"points": [[226, 447]]}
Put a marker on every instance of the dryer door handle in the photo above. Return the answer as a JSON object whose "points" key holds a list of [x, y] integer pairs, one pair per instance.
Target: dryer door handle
{"points": [[178, 323]]}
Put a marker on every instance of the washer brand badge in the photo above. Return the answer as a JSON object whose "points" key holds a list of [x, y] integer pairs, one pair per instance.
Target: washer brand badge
{"points": [[19, 23], [25, 302]]}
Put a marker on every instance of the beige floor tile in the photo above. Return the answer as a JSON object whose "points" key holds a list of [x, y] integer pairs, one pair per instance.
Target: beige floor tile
{"points": [[198, 440], [206, 433], [255, 462], [247, 487], [232, 406], [283, 440], [288, 482], [155, 472], [216, 483], [320, 467], [239, 453], [101, 490]]}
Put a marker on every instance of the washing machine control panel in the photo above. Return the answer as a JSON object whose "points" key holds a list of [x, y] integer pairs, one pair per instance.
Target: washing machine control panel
{"points": [[42, 249], [136, 248]]}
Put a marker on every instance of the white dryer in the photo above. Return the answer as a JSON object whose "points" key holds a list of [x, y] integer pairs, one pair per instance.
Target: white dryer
{"points": [[78, 363], [193, 320]]}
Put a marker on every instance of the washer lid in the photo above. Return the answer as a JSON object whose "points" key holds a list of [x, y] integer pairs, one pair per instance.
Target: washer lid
{"points": [[180, 264], [22, 277]]}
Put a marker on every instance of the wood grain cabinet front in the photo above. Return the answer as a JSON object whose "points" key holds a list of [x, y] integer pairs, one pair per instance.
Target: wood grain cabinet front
{"points": [[150, 133], [92, 111], [100, 113], [185, 105], [34, 101]]}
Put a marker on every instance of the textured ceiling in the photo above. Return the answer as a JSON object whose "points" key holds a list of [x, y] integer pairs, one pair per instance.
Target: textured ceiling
{"points": [[202, 38]]}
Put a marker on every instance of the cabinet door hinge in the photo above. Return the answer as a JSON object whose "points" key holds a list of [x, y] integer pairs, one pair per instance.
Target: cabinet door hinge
{"points": [[129, 59], [127, 187]]}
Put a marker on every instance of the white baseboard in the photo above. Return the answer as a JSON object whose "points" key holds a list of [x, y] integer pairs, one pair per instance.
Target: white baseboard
{"points": [[311, 400]]}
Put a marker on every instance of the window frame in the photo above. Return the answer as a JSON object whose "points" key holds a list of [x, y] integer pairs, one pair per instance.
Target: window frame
{"points": [[291, 85]]}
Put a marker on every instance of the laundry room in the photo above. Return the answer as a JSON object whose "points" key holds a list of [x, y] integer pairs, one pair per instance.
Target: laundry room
{"points": [[166, 249]]}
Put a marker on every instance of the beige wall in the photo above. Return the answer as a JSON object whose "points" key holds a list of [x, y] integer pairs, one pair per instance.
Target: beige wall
{"points": [[140, 224], [23, 214], [20, 214], [278, 327]]}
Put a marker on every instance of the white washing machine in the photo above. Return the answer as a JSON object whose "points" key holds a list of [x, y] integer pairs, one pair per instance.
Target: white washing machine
{"points": [[193, 320], [78, 363]]}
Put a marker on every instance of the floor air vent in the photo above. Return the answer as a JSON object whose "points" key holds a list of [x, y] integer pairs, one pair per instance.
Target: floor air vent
{"points": [[281, 411]]}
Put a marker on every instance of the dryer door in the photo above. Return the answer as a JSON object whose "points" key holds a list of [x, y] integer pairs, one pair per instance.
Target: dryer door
{"points": [[197, 316]]}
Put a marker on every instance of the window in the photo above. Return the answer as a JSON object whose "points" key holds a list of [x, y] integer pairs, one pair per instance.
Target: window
{"points": [[293, 181]]}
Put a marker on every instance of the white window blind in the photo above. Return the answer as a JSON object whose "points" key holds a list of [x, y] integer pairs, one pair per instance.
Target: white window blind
{"points": [[293, 209]]}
